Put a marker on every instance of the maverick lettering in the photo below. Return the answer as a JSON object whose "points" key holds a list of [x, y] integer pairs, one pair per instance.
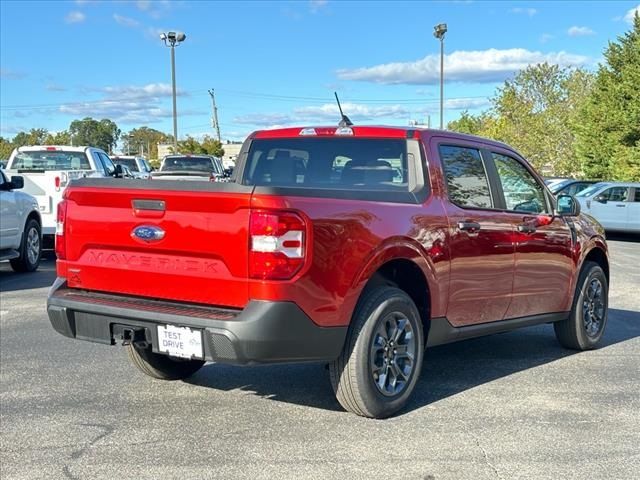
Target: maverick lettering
{"points": [[153, 262]]}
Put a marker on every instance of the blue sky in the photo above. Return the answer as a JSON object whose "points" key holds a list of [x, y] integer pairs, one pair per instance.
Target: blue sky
{"points": [[278, 63]]}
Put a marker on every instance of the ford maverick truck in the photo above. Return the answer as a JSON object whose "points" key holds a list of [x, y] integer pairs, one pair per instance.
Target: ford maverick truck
{"points": [[354, 246]]}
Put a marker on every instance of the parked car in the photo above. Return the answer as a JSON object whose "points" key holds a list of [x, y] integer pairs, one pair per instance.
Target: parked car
{"points": [[290, 262], [20, 227], [569, 186], [48, 169], [190, 167], [138, 166], [615, 205]]}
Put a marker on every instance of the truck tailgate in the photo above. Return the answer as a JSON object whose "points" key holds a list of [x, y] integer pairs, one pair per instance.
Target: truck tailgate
{"points": [[201, 258]]}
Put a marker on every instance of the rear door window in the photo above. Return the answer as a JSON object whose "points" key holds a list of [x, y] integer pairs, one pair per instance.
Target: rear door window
{"points": [[343, 163], [466, 176]]}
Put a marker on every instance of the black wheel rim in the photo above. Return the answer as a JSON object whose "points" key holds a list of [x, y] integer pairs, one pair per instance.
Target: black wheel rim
{"points": [[593, 308], [392, 355]]}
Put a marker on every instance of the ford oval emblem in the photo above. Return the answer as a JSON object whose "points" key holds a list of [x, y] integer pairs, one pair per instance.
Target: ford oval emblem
{"points": [[148, 233]]}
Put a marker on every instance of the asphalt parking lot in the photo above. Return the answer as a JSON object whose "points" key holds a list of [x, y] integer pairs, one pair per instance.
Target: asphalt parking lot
{"points": [[510, 406]]}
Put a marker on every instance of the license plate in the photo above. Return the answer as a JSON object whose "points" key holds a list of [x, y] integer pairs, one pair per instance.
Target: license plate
{"points": [[180, 342]]}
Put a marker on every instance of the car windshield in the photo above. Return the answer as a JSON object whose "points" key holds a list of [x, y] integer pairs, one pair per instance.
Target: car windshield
{"points": [[591, 190], [555, 187], [127, 162], [344, 163], [192, 164], [50, 160]]}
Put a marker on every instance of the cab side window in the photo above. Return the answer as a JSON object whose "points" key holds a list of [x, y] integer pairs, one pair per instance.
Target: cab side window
{"points": [[522, 192], [109, 167], [615, 194], [466, 176]]}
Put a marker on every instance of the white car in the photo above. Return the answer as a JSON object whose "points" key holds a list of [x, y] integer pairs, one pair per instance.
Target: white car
{"points": [[190, 167], [615, 205], [20, 228], [48, 169]]}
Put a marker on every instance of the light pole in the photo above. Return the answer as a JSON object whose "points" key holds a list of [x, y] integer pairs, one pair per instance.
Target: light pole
{"points": [[439, 31], [172, 39]]}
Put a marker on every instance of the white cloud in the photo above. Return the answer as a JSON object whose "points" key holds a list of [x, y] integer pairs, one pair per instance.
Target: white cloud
{"points": [[358, 112], [631, 13], [75, 17], [128, 104], [125, 21], [317, 5], [576, 31], [525, 11], [483, 66], [545, 37]]}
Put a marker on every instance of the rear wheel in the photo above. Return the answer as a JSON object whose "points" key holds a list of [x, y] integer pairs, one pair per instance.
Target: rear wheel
{"points": [[30, 248], [160, 366], [382, 357], [585, 326]]}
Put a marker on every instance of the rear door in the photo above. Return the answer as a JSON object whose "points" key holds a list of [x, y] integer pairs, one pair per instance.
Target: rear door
{"points": [[9, 223], [480, 238], [543, 259], [633, 211], [611, 208]]}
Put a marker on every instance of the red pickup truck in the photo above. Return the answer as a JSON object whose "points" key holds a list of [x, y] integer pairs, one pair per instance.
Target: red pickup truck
{"points": [[354, 246]]}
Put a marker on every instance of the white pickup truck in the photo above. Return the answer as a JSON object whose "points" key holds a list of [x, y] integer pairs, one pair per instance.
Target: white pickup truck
{"points": [[48, 169], [20, 225]]}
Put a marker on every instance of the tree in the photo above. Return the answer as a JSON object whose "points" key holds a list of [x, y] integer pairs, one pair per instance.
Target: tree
{"points": [[144, 138], [6, 147], [535, 112], [35, 136], [608, 133], [58, 138], [103, 134], [190, 145], [212, 146]]}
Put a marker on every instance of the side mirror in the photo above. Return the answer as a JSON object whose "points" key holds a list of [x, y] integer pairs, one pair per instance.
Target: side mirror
{"points": [[600, 198], [17, 182], [119, 171], [567, 206], [228, 171]]}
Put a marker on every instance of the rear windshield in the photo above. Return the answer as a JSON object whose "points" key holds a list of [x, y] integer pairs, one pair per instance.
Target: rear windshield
{"points": [[354, 163], [195, 164], [50, 160], [127, 162]]}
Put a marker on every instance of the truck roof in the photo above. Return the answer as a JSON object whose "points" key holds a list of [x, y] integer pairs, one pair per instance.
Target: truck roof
{"points": [[371, 131], [67, 148]]}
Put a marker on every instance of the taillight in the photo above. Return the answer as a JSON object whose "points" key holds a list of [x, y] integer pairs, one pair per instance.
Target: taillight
{"points": [[61, 243], [56, 182], [213, 178], [277, 244]]}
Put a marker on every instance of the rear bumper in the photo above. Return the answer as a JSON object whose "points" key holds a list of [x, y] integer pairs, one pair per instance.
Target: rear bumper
{"points": [[263, 332]]}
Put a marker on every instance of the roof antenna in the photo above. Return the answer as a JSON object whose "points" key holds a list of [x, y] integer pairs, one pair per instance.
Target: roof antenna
{"points": [[344, 120]]}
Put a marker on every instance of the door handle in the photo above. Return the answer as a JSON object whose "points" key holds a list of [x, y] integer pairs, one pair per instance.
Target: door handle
{"points": [[621, 206], [526, 228], [469, 226]]}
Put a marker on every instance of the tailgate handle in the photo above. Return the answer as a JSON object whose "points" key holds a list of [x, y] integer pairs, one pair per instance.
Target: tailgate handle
{"points": [[148, 208]]}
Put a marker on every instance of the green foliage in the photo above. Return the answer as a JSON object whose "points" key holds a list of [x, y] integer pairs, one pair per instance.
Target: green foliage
{"points": [[144, 138], [103, 134], [59, 138], [35, 136], [6, 147], [208, 146], [608, 133]]}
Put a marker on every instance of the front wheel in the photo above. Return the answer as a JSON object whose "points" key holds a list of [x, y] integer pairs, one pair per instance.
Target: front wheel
{"points": [[382, 357], [30, 248], [161, 366], [585, 326]]}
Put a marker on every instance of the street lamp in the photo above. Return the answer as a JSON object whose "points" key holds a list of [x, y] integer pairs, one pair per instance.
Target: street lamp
{"points": [[438, 32], [172, 39]]}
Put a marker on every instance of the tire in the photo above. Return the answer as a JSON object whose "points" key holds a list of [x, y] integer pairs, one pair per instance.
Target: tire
{"points": [[30, 248], [588, 318], [162, 367], [362, 376]]}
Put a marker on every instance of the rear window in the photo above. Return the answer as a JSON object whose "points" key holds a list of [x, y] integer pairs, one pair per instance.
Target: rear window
{"points": [[354, 163], [127, 162], [193, 164], [50, 160]]}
